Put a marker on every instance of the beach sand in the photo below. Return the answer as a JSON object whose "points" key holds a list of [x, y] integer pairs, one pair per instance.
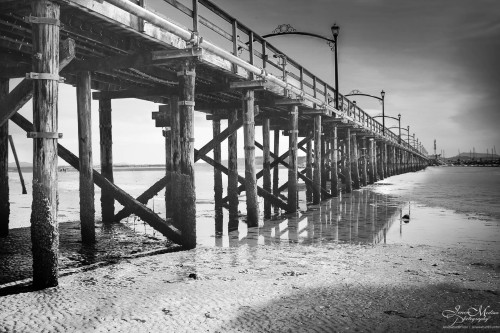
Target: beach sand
{"points": [[268, 288]]}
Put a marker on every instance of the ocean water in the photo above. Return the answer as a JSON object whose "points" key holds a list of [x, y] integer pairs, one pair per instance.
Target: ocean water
{"points": [[448, 206]]}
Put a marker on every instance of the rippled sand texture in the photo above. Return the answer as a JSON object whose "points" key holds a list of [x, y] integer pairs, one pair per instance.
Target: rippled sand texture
{"points": [[269, 288]]}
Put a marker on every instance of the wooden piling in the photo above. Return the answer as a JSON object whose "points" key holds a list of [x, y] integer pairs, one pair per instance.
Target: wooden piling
{"points": [[324, 166], [380, 161], [317, 160], [18, 165], [106, 151], [185, 203], [276, 180], [87, 210], [4, 167], [232, 178], [355, 162], [44, 226], [348, 163], [293, 202], [174, 168], [375, 161], [373, 167], [309, 170], [266, 163], [385, 159], [217, 180], [249, 147], [169, 199], [334, 186], [364, 167]]}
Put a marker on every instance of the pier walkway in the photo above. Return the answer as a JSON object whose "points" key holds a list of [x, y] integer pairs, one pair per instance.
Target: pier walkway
{"points": [[187, 59]]}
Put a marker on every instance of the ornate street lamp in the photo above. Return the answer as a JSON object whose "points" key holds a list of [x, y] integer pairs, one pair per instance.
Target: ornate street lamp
{"points": [[335, 32], [381, 99], [287, 29], [382, 93]]}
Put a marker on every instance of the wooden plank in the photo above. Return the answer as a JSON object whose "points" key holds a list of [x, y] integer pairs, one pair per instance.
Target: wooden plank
{"points": [[146, 214], [23, 92], [84, 112]]}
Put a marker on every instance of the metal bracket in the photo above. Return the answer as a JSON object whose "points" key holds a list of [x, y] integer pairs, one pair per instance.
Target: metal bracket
{"points": [[185, 72], [44, 135], [41, 20], [187, 103], [44, 76], [195, 40]]}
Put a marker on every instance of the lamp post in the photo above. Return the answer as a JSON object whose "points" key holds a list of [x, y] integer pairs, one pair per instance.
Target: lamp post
{"points": [[399, 125], [382, 93], [287, 29], [335, 32], [381, 99]]}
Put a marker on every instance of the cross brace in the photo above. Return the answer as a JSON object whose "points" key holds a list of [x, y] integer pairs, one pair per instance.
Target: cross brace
{"points": [[124, 198]]}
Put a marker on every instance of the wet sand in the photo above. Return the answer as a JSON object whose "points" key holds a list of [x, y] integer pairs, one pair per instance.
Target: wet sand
{"points": [[327, 269], [269, 288]]}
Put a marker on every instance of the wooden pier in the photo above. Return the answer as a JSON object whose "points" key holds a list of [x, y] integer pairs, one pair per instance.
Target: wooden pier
{"points": [[217, 66]]}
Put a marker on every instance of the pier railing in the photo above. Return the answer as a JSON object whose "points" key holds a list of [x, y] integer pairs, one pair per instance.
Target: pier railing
{"points": [[199, 21]]}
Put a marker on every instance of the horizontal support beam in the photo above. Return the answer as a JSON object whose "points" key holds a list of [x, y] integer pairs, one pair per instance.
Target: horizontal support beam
{"points": [[134, 60], [256, 84], [156, 91], [289, 101]]}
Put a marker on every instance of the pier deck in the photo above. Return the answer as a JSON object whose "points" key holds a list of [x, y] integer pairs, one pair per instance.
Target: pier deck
{"points": [[188, 59]]}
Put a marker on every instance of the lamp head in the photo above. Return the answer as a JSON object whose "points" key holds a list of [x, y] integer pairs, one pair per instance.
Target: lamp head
{"points": [[399, 116], [335, 30], [382, 93]]}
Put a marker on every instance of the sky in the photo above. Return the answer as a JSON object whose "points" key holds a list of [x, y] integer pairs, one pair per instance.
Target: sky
{"points": [[437, 61]]}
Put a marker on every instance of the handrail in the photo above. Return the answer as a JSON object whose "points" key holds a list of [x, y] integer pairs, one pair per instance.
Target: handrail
{"points": [[195, 38]]}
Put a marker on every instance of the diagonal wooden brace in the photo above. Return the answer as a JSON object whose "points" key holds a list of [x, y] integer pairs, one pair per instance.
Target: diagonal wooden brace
{"points": [[218, 139], [23, 92], [306, 180], [260, 191], [275, 163], [146, 214]]}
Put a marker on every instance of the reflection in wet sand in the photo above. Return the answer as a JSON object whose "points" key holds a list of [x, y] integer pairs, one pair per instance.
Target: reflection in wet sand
{"points": [[359, 217]]}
